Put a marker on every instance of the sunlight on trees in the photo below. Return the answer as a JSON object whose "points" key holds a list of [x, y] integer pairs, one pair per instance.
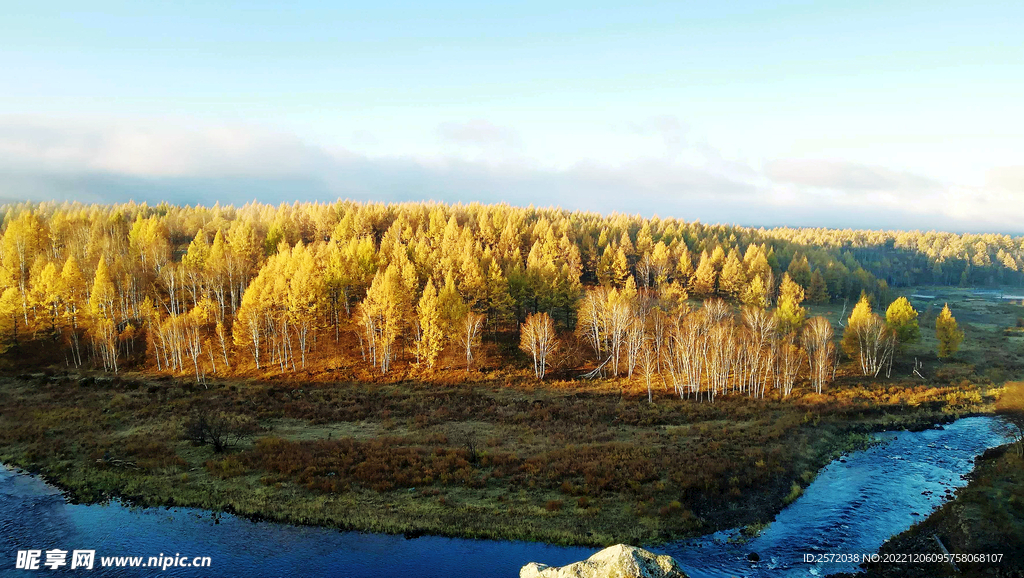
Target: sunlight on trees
{"points": [[902, 319], [427, 287], [537, 337], [948, 333]]}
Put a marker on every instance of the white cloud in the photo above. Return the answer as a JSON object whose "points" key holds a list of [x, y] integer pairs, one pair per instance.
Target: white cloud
{"points": [[155, 150], [42, 160], [478, 132], [848, 177]]}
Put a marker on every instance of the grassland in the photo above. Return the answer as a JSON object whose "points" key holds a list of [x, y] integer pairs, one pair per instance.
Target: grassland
{"points": [[495, 456]]}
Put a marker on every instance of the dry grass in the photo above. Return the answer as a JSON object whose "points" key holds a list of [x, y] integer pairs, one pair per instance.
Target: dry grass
{"points": [[489, 453]]}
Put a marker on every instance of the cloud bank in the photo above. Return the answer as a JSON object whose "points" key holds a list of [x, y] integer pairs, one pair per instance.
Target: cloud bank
{"points": [[111, 162]]}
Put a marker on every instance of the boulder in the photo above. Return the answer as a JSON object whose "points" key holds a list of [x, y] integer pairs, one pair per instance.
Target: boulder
{"points": [[619, 561]]}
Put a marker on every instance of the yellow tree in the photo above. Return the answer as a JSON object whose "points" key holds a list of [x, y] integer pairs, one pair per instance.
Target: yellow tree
{"points": [[10, 316], [73, 297], [684, 266], [453, 309], [868, 339], [102, 300], [431, 337], [674, 296], [756, 263], [305, 297], [947, 332], [46, 294], [194, 266], [660, 257], [733, 278], [755, 294], [350, 267], [150, 251], [473, 284], [25, 237], [542, 273], [383, 315], [247, 329], [705, 278], [789, 313], [613, 267], [195, 326], [861, 314], [218, 274], [902, 318], [244, 254]]}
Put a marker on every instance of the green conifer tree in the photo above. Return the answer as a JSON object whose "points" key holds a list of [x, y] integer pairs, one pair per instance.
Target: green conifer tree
{"points": [[818, 290]]}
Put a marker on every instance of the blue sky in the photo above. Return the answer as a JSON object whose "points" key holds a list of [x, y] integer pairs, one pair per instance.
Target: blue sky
{"points": [[866, 114]]}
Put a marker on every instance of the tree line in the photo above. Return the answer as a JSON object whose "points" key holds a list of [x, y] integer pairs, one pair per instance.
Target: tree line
{"points": [[217, 289]]}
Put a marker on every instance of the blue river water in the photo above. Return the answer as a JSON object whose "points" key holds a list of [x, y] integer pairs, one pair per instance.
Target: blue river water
{"points": [[853, 506]]}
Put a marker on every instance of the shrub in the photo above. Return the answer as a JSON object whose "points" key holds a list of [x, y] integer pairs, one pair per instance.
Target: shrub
{"points": [[220, 430], [795, 491]]}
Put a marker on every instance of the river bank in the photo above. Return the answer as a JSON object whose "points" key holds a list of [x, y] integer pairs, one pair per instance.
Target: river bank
{"points": [[572, 463], [853, 505]]}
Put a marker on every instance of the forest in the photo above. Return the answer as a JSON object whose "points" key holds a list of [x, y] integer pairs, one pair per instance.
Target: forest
{"points": [[702, 309]]}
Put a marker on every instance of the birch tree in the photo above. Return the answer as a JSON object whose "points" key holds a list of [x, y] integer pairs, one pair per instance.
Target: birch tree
{"points": [[819, 344], [537, 337]]}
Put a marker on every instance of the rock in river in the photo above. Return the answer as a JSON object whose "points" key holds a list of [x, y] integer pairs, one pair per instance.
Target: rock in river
{"points": [[619, 561]]}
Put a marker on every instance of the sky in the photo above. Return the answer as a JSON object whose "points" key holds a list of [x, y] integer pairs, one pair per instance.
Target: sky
{"points": [[842, 114]]}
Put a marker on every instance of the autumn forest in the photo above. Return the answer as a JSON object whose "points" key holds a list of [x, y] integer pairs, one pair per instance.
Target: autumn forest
{"points": [[259, 288]]}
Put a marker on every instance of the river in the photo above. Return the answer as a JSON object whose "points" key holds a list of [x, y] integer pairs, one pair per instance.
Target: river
{"points": [[853, 506]]}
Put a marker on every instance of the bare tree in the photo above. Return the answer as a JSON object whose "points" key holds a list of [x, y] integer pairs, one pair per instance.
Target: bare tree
{"points": [[719, 357], [686, 351], [635, 340], [760, 330], [648, 364], [876, 344], [658, 334], [469, 337], [819, 343], [537, 337], [207, 427], [590, 321], [788, 364], [604, 320]]}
